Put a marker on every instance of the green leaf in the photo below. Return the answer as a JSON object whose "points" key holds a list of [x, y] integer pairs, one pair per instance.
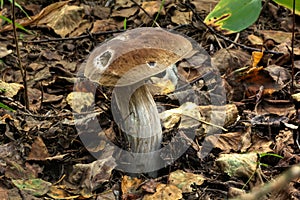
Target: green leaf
{"points": [[231, 16], [125, 24], [6, 107], [270, 154], [20, 7], [289, 4], [17, 24], [35, 187]]}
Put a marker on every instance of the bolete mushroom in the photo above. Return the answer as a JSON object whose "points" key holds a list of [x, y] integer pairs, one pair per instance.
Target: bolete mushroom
{"points": [[125, 62]]}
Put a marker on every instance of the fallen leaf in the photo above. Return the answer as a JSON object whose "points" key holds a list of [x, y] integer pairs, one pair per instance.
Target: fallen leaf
{"points": [[230, 142], [10, 89], [92, 175], [180, 18], [129, 187], [125, 3], [57, 192], [187, 112], [3, 193], [125, 12], [152, 8], [255, 40], [106, 25], [277, 36], [80, 100], [165, 192], [38, 150], [35, 19], [256, 57], [35, 187], [184, 180], [4, 51], [204, 5], [238, 165]]}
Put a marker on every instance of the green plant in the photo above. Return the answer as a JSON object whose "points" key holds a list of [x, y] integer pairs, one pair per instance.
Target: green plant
{"points": [[231, 16], [258, 164], [2, 105], [10, 21], [125, 24], [20, 7], [158, 13]]}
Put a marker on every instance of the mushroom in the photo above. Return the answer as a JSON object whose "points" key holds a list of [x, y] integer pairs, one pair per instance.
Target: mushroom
{"points": [[125, 62]]}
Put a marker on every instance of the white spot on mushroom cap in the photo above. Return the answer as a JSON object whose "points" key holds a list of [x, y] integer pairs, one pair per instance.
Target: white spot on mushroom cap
{"points": [[151, 64], [103, 60]]}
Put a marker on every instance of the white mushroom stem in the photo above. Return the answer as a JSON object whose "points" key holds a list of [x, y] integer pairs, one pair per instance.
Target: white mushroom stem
{"points": [[140, 122]]}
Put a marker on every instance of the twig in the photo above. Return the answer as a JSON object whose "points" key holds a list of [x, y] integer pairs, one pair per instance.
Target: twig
{"points": [[74, 38], [292, 45], [235, 40], [22, 69]]}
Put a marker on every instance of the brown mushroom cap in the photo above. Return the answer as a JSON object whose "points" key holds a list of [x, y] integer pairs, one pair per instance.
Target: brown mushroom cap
{"points": [[139, 53]]}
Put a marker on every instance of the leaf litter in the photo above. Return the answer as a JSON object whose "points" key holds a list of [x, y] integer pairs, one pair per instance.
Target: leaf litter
{"points": [[41, 153]]}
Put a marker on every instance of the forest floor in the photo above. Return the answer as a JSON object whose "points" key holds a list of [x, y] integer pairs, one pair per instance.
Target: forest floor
{"points": [[43, 152]]}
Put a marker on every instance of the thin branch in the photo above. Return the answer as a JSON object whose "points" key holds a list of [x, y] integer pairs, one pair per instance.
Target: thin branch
{"points": [[22, 69], [292, 45], [74, 38]]}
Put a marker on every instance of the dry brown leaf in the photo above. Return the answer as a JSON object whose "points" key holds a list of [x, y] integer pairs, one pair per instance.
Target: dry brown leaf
{"points": [[3, 193], [180, 18], [255, 40], [230, 142], [59, 16], [36, 97], [125, 3], [277, 36], [3, 50], [204, 5], [10, 89], [106, 25], [296, 97], [187, 112], [63, 20], [279, 107], [184, 180], [161, 86], [284, 142], [238, 165], [260, 145], [227, 60], [125, 12], [58, 192], [82, 28], [152, 8], [91, 176], [80, 100], [165, 192], [150, 186], [35, 19], [130, 187], [252, 79], [38, 150], [256, 57]]}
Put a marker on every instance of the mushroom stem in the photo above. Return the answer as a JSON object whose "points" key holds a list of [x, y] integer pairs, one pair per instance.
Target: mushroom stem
{"points": [[141, 124]]}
